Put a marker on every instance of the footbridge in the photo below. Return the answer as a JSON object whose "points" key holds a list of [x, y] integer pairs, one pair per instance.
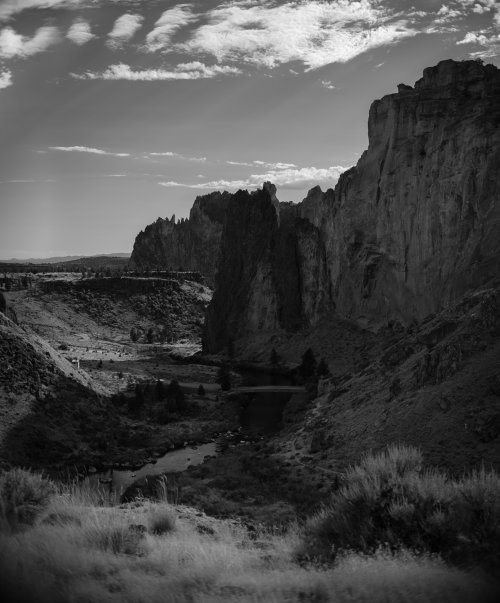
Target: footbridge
{"points": [[268, 389]]}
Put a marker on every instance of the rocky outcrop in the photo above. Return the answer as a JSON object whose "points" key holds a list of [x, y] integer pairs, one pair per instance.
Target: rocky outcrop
{"points": [[271, 270], [191, 244], [405, 233]]}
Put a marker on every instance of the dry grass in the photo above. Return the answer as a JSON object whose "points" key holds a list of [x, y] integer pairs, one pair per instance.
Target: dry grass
{"points": [[144, 552]]}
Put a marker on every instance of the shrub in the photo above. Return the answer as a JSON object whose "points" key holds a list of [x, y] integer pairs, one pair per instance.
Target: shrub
{"points": [[161, 520], [23, 496], [390, 499]]}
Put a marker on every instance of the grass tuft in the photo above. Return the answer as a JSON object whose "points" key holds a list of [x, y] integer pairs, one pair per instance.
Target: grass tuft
{"points": [[23, 497], [161, 520]]}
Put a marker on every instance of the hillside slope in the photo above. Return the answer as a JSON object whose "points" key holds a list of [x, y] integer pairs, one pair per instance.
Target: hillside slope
{"points": [[49, 410], [435, 386]]}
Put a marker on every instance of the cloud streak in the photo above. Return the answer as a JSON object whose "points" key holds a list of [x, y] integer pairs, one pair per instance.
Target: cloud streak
{"points": [[8, 8], [183, 71], [176, 156], [263, 164], [91, 150], [291, 178]]}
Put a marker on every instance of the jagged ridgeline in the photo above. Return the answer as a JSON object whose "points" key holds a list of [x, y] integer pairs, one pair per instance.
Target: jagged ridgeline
{"points": [[192, 244], [406, 232]]}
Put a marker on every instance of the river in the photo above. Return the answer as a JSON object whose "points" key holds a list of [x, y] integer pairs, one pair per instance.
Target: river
{"points": [[174, 461]]}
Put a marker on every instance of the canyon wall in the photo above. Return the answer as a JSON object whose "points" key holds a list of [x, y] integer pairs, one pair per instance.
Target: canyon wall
{"points": [[272, 270], [408, 230], [191, 244]]}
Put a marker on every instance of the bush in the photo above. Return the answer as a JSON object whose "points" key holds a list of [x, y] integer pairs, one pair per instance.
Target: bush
{"points": [[390, 499], [161, 520], [23, 497]]}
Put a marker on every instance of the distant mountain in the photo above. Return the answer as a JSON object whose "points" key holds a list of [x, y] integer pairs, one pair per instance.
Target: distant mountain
{"points": [[67, 258]]}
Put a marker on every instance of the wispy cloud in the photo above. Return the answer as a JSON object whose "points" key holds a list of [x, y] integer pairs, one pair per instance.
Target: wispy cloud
{"points": [[490, 41], [92, 150], [299, 178], [263, 164], [5, 79], [80, 32], [124, 30], [315, 33], [328, 85], [8, 8], [183, 71], [165, 154], [241, 163], [171, 21], [13, 44], [27, 181], [171, 154], [274, 166]]}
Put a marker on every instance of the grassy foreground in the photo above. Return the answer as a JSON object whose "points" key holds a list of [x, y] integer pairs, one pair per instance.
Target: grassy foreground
{"points": [[62, 545]]}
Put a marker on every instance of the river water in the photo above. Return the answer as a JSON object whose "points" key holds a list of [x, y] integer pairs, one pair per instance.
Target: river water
{"points": [[262, 414], [175, 461]]}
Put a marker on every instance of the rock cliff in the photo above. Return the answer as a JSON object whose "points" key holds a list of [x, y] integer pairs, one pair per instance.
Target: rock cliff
{"points": [[271, 271], [406, 232], [191, 244]]}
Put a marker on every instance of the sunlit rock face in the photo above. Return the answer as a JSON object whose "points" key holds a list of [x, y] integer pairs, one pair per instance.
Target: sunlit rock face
{"points": [[407, 231], [191, 244]]}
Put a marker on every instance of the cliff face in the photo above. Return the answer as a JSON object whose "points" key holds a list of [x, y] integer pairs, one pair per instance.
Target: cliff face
{"points": [[406, 232], [271, 270], [191, 244], [415, 224]]}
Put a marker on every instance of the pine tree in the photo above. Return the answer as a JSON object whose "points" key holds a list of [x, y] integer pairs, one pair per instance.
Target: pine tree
{"points": [[224, 377], [322, 370], [175, 396], [274, 357], [307, 367], [160, 390]]}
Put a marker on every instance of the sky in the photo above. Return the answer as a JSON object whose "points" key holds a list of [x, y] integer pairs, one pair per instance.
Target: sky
{"points": [[116, 112]]}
